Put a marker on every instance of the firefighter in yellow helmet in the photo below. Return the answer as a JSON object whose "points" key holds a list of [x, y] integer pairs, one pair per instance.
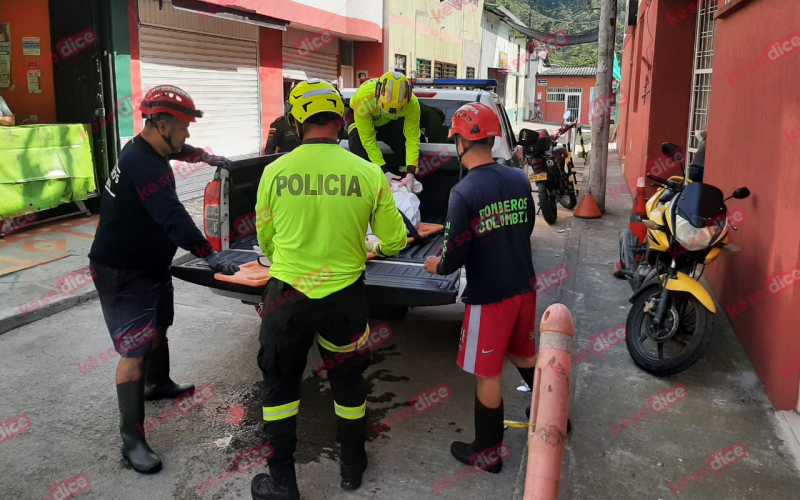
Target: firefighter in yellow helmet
{"points": [[312, 210], [385, 109]]}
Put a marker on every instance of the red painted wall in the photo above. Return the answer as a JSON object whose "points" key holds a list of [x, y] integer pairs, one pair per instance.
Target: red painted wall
{"points": [[271, 74], [761, 101], [554, 111], [657, 80], [30, 18], [369, 56]]}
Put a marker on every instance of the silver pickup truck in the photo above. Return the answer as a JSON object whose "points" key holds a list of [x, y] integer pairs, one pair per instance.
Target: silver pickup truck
{"points": [[394, 283]]}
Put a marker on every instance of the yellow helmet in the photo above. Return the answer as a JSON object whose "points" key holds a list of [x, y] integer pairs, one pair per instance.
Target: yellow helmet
{"points": [[312, 97], [393, 92]]}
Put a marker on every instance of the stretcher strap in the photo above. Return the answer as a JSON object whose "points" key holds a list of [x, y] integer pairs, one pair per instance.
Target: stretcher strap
{"points": [[412, 231], [346, 348], [350, 412], [273, 413]]}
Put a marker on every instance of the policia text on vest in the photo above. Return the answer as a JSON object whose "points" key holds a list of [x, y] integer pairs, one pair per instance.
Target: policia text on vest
{"points": [[331, 184]]}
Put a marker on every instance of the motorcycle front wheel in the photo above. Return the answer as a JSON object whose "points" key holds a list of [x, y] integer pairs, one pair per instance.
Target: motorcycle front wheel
{"points": [[547, 203], [568, 200], [676, 346]]}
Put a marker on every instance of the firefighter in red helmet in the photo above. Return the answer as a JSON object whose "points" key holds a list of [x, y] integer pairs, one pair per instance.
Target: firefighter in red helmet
{"points": [[489, 224], [142, 224]]}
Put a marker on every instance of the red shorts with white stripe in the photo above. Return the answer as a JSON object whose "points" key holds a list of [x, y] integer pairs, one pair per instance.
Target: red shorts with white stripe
{"points": [[491, 330]]}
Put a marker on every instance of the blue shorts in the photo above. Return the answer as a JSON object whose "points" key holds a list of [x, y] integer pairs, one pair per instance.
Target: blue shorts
{"points": [[134, 304]]}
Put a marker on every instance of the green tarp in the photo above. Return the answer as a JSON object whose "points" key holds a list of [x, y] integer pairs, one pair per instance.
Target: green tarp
{"points": [[44, 165]]}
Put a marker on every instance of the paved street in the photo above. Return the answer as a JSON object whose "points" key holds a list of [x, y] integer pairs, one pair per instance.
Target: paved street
{"points": [[74, 414]]}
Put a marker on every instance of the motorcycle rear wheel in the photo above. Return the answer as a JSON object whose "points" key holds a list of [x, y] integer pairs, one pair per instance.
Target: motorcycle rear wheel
{"points": [[693, 333], [547, 203]]}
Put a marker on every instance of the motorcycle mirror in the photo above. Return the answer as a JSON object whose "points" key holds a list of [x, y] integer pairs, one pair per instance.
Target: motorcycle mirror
{"points": [[527, 137], [668, 148], [741, 193]]}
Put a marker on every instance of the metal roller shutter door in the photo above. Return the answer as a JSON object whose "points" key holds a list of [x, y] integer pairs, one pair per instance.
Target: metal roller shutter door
{"points": [[315, 65], [301, 63], [221, 75]]}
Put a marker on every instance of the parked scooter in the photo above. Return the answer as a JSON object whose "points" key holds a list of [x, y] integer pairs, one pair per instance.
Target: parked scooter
{"points": [[669, 324], [546, 167]]}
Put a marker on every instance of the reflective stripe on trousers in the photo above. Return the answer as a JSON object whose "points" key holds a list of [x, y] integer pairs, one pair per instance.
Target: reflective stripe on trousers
{"points": [[350, 413], [358, 344], [281, 412]]}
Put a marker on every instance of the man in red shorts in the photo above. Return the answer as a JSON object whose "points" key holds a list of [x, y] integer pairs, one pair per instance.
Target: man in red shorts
{"points": [[489, 224]]}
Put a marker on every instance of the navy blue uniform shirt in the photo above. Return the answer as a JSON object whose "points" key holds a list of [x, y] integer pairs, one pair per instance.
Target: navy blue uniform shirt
{"points": [[142, 222], [489, 224]]}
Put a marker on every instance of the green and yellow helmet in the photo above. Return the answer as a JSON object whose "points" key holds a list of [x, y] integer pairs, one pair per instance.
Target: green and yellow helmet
{"points": [[393, 92], [312, 97]]}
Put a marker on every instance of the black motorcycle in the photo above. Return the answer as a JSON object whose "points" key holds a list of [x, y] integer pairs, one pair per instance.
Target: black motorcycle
{"points": [[563, 156], [552, 182]]}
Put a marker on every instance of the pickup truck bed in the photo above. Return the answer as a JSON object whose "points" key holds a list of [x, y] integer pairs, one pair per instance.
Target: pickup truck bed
{"points": [[395, 282]]}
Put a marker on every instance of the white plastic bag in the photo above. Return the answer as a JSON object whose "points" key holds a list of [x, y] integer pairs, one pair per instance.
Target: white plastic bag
{"points": [[408, 203]]}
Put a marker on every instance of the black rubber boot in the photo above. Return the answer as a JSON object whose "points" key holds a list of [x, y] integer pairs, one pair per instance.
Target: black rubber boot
{"points": [[131, 419], [159, 385], [569, 423], [279, 484], [353, 461], [488, 434]]}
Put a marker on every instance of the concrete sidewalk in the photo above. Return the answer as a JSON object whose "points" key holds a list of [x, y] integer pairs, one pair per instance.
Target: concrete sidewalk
{"points": [[57, 250], [613, 455]]}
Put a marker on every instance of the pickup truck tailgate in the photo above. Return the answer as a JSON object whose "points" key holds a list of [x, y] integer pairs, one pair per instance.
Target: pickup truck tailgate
{"points": [[387, 282], [197, 271], [409, 284]]}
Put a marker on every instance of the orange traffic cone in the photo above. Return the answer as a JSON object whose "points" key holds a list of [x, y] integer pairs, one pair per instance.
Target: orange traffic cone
{"points": [[638, 211], [550, 404], [587, 208]]}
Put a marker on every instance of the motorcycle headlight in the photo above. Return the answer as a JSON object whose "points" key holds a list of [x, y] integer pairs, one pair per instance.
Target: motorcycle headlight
{"points": [[693, 238]]}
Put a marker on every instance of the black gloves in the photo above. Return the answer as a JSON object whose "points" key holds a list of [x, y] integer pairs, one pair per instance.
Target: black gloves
{"points": [[221, 264], [218, 161]]}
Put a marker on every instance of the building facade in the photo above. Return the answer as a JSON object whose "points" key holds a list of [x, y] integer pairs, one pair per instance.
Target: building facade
{"points": [[434, 38], [238, 59], [692, 64], [560, 89], [504, 57]]}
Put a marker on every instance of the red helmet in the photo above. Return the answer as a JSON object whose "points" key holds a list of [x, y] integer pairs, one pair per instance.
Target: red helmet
{"points": [[474, 122], [172, 100]]}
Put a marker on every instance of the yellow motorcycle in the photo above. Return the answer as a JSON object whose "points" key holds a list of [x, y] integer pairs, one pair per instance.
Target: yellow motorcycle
{"points": [[669, 324]]}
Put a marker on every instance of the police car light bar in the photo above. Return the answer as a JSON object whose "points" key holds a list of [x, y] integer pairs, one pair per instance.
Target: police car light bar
{"points": [[455, 82]]}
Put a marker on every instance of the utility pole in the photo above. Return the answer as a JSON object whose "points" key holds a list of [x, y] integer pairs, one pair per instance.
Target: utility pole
{"points": [[601, 108]]}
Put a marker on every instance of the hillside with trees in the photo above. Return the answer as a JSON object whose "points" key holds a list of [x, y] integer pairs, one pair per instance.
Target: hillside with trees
{"points": [[573, 16]]}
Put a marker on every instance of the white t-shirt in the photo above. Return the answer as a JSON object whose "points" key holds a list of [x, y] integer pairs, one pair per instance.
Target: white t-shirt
{"points": [[4, 111]]}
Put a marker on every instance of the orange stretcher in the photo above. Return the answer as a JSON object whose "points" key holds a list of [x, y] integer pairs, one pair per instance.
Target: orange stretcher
{"points": [[250, 274], [425, 229]]}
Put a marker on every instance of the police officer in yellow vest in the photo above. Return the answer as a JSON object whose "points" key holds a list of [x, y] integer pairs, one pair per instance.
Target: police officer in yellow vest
{"points": [[385, 110], [313, 207]]}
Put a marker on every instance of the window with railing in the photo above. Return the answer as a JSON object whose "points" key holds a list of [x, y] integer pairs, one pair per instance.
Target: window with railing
{"points": [[423, 68], [470, 72], [558, 94], [444, 70], [400, 63]]}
